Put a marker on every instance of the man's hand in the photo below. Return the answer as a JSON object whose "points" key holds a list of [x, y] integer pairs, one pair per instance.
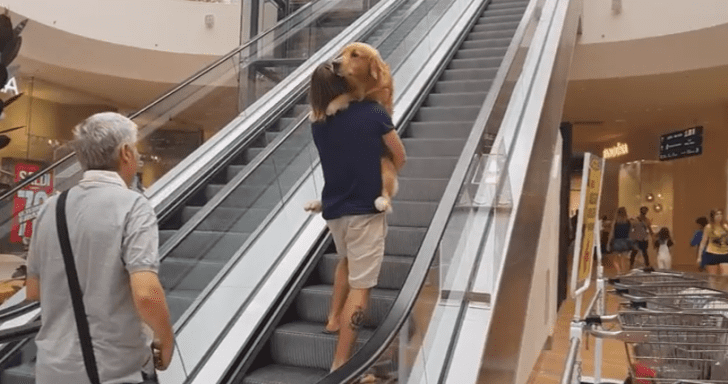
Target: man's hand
{"points": [[162, 354]]}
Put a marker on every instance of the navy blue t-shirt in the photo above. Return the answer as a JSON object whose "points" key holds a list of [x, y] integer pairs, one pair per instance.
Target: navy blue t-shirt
{"points": [[350, 147]]}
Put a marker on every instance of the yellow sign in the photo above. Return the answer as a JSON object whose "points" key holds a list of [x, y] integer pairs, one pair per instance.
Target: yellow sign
{"points": [[593, 190]]}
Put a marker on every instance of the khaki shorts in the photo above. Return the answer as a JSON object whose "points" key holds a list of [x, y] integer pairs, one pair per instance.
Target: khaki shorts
{"points": [[360, 238]]}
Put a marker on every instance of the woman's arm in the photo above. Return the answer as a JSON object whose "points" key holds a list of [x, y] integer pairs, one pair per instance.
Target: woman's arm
{"points": [[704, 240]]}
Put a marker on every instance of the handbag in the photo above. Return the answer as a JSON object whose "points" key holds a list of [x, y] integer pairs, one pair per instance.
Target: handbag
{"points": [[79, 310]]}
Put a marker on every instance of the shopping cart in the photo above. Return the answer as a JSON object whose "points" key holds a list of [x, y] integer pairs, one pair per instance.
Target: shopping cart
{"points": [[646, 279], [673, 347]]}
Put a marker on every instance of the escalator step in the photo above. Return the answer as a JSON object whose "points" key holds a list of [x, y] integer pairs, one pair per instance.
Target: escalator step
{"points": [[214, 246], [411, 213], [495, 26], [456, 99], [411, 189], [475, 63], [187, 274], [461, 86], [392, 276], [224, 219], [447, 114], [433, 147], [505, 11], [500, 18], [248, 196], [179, 300], [262, 175], [165, 234], [435, 167], [312, 304], [490, 43], [481, 53], [300, 109], [469, 74], [506, 33], [303, 344], [438, 130], [499, 4], [285, 374]]}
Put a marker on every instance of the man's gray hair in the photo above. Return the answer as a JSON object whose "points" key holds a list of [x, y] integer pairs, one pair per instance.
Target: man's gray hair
{"points": [[97, 140]]}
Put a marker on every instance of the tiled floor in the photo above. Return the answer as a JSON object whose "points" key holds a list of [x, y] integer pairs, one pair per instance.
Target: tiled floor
{"points": [[550, 365]]}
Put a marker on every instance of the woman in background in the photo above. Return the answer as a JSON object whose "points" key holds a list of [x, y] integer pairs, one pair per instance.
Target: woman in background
{"points": [[619, 242], [714, 245]]}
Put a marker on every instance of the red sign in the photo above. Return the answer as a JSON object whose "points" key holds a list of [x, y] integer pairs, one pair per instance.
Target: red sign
{"points": [[28, 201]]}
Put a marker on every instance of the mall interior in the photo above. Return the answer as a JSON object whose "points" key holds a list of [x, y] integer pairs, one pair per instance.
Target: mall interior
{"points": [[505, 108]]}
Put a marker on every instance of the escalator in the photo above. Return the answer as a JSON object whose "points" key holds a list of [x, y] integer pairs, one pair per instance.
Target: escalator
{"points": [[212, 220], [297, 351], [217, 233]]}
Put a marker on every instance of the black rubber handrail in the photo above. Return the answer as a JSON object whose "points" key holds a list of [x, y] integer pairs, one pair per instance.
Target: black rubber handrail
{"points": [[207, 69], [16, 310], [19, 333]]}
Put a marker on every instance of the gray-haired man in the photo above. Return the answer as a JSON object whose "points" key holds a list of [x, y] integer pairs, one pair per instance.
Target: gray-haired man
{"points": [[114, 239]]}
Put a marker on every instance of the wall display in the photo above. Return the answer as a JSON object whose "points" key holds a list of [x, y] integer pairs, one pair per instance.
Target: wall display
{"points": [[28, 201], [680, 144], [587, 228]]}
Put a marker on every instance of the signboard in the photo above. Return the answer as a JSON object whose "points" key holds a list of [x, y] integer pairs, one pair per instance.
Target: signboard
{"points": [[28, 201], [587, 227], [685, 143]]}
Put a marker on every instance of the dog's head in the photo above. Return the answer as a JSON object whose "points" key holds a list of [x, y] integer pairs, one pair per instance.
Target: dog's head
{"points": [[361, 63]]}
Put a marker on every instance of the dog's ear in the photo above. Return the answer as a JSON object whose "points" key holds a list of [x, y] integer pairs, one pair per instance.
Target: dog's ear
{"points": [[378, 68]]}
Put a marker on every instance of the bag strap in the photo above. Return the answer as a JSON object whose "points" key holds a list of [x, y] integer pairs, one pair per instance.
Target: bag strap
{"points": [[84, 334]]}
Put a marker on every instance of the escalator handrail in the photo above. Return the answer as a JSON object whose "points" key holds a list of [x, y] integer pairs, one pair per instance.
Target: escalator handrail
{"points": [[20, 333], [197, 75], [16, 310], [401, 308]]}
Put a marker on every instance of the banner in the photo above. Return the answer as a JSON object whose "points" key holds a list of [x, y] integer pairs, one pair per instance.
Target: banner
{"points": [[28, 201], [588, 225]]}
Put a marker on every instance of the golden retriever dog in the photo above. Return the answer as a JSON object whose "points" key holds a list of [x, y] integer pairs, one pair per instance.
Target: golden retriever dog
{"points": [[369, 78]]}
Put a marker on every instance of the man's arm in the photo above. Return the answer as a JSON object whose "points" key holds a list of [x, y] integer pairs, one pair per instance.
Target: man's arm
{"points": [[392, 141], [32, 288], [151, 304]]}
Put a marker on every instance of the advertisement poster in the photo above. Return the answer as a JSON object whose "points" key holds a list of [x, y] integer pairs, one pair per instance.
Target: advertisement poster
{"points": [[587, 227], [28, 201]]}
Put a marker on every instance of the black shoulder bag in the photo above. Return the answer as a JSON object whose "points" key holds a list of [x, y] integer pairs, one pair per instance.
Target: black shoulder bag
{"points": [[84, 334]]}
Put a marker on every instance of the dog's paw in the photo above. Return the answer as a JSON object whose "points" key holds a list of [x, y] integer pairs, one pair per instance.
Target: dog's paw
{"points": [[313, 206], [383, 204]]}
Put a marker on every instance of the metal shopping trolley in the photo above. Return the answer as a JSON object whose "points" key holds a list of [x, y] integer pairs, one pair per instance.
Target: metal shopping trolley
{"points": [[678, 347]]}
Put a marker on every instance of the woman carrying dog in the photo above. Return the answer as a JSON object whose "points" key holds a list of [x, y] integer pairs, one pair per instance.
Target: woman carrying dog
{"points": [[350, 143]]}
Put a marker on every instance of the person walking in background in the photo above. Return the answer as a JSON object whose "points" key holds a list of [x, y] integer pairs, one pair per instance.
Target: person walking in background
{"points": [[606, 226], [641, 234], [697, 238], [663, 244], [113, 242], [714, 245], [619, 241]]}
